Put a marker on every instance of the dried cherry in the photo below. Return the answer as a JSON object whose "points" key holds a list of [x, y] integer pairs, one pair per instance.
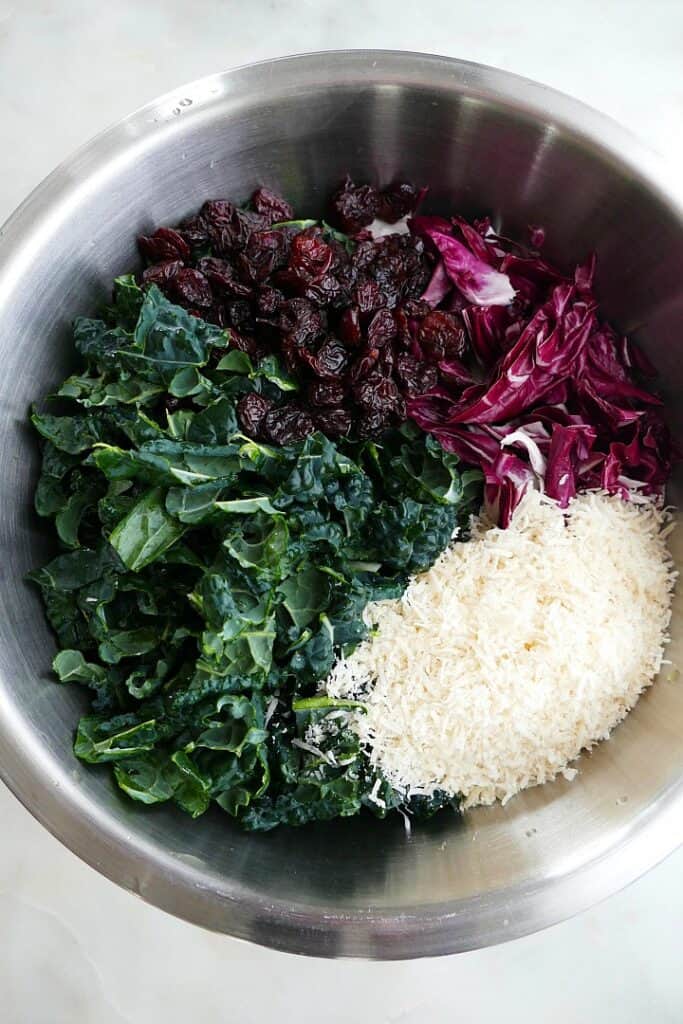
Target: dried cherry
{"points": [[372, 424], [240, 315], [165, 244], [221, 274], [301, 322], [326, 392], [193, 230], [265, 252], [382, 329], [335, 422], [268, 300], [329, 362], [309, 258], [368, 296], [397, 200], [377, 393], [288, 424], [192, 288], [354, 206], [161, 274], [441, 336], [271, 206], [364, 365], [414, 376], [251, 412], [228, 228]]}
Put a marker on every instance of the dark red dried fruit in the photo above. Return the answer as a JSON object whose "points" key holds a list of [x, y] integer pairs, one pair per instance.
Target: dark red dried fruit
{"points": [[400, 268], [268, 301], [442, 336], [415, 377], [228, 228], [349, 329], [335, 422], [387, 360], [365, 253], [251, 412], [165, 244], [404, 335], [301, 323], [221, 274], [309, 258], [416, 308], [341, 258], [192, 288], [330, 361], [288, 424], [290, 352], [326, 392], [377, 394], [239, 315], [382, 329], [327, 292], [271, 206], [368, 297], [354, 206], [364, 365], [193, 230], [265, 252], [372, 424], [397, 200], [218, 315], [161, 274]]}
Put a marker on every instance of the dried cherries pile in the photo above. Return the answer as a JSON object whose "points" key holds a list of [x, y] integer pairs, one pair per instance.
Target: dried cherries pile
{"points": [[342, 308]]}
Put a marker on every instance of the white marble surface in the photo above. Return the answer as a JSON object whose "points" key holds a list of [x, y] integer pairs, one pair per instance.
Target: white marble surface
{"points": [[75, 949]]}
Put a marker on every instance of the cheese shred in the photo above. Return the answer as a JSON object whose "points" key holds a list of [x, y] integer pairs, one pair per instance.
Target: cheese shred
{"points": [[515, 651]]}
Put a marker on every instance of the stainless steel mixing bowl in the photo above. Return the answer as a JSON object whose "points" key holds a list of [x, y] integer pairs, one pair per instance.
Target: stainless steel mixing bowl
{"points": [[485, 141]]}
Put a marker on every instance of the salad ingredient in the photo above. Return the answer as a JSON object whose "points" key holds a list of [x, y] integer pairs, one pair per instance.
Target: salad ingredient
{"points": [[515, 651], [334, 305], [207, 580], [549, 384], [475, 278], [354, 207]]}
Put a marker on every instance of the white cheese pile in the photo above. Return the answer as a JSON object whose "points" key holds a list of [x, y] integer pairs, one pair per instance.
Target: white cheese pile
{"points": [[516, 650]]}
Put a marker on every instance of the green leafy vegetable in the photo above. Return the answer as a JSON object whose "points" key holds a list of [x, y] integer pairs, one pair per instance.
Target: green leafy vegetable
{"points": [[207, 582], [146, 532]]}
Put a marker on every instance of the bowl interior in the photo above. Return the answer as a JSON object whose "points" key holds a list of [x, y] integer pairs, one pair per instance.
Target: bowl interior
{"points": [[484, 142]]}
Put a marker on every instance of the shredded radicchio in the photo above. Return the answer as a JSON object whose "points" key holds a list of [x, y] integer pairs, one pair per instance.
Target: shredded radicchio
{"points": [[550, 396]]}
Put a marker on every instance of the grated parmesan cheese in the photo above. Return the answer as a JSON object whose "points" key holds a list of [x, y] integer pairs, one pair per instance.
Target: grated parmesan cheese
{"points": [[516, 650]]}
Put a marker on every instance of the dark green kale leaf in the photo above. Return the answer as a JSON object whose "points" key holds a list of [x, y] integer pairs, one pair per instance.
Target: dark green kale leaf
{"points": [[146, 531], [127, 302]]}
